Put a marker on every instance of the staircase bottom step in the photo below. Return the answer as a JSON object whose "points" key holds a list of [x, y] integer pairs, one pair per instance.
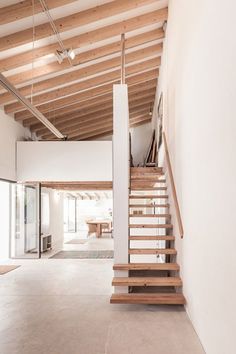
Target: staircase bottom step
{"points": [[151, 299]]}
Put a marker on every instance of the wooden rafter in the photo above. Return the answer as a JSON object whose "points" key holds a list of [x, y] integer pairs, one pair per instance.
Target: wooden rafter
{"points": [[70, 22], [89, 105], [74, 119], [75, 185], [106, 125], [146, 99], [93, 121], [85, 57], [103, 131], [98, 128], [83, 73], [81, 96], [90, 127], [84, 39], [24, 9]]}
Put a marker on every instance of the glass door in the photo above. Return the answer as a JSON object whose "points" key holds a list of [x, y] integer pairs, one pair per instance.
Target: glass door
{"points": [[25, 230]]}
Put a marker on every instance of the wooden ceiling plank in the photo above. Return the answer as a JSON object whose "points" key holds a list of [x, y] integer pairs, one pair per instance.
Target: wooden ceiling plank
{"points": [[86, 39], [100, 135], [89, 103], [92, 121], [81, 96], [98, 126], [107, 133], [70, 22], [83, 185], [85, 57], [131, 58], [102, 131], [24, 9], [75, 119], [97, 109]]}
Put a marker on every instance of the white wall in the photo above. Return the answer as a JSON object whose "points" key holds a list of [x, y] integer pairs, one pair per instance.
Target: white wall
{"points": [[120, 177], [64, 161], [140, 141], [10, 132], [198, 79]]}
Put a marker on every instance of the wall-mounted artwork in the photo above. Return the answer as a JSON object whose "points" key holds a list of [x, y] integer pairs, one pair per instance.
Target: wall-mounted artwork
{"points": [[160, 120]]}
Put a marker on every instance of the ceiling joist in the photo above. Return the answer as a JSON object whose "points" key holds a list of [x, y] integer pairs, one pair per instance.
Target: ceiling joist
{"points": [[84, 95], [86, 57], [25, 9], [92, 121], [70, 22], [85, 39], [91, 104], [105, 131], [136, 100], [71, 120], [86, 72]]}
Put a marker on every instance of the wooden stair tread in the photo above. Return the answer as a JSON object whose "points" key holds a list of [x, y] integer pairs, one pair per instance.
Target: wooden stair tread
{"points": [[148, 196], [151, 238], [151, 299], [150, 226], [149, 215], [146, 281], [160, 180], [146, 169], [146, 178], [146, 266], [149, 205], [150, 189], [152, 251]]}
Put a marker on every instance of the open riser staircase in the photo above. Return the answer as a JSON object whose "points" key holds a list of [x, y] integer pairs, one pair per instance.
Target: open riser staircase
{"points": [[153, 274]]}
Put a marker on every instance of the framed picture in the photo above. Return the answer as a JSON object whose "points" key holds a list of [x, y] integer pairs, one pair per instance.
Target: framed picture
{"points": [[160, 120]]}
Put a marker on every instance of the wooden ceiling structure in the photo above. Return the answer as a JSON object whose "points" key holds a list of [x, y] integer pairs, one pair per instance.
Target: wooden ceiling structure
{"points": [[76, 96]]}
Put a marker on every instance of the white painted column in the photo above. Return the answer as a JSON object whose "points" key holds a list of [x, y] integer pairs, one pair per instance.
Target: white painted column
{"points": [[120, 178]]}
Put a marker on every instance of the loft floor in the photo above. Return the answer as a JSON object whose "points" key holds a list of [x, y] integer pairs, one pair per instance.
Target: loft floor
{"points": [[62, 306]]}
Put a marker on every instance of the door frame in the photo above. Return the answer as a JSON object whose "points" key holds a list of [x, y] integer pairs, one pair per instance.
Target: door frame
{"points": [[39, 203]]}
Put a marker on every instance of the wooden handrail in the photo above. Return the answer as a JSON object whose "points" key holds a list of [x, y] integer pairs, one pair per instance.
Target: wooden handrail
{"points": [[169, 168]]}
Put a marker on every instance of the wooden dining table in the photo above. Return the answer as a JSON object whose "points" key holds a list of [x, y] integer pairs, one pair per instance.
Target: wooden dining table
{"points": [[98, 224]]}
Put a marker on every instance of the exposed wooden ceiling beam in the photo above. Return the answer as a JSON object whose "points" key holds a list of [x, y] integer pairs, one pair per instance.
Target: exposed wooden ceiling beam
{"points": [[81, 96], [100, 135], [70, 22], [103, 125], [86, 72], [24, 9], [76, 118], [90, 103], [89, 129], [92, 121], [29, 106], [147, 98], [75, 185], [103, 131], [110, 132], [85, 57], [112, 78], [84, 39]]}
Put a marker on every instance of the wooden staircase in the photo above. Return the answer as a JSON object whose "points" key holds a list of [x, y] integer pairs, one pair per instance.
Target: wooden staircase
{"points": [[153, 274]]}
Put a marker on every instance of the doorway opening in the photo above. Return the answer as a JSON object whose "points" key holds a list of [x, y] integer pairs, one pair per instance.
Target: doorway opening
{"points": [[88, 223], [76, 220]]}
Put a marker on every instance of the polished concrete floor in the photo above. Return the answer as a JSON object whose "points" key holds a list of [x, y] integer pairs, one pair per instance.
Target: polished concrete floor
{"points": [[53, 306]]}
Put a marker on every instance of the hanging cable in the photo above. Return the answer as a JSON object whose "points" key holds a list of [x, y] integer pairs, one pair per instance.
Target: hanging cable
{"points": [[54, 28], [32, 72]]}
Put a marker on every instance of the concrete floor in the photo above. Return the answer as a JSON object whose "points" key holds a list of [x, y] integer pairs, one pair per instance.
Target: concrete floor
{"points": [[53, 306]]}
